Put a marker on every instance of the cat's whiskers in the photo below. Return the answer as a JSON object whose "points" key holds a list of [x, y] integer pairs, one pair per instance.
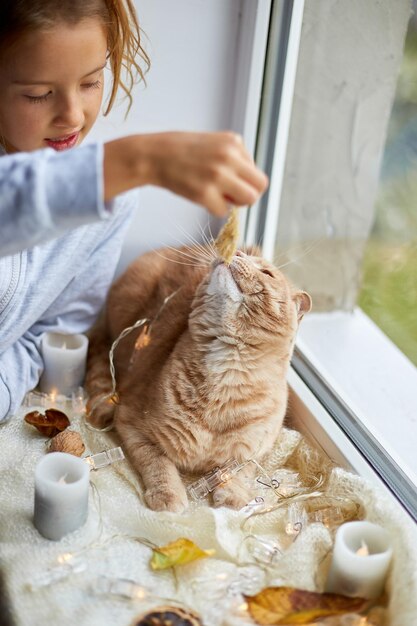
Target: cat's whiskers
{"points": [[310, 247], [200, 250], [209, 241], [193, 241], [213, 250], [205, 251], [198, 258], [206, 238], [206, 247], [166, 258], [195, 255]]}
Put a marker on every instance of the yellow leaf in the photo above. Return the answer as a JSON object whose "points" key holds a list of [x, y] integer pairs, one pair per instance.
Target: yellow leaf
{"points": [[286, 605], [177, 552]]}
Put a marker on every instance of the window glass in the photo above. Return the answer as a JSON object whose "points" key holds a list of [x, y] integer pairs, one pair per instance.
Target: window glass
{"points": [[388, 291], [340, 214]]}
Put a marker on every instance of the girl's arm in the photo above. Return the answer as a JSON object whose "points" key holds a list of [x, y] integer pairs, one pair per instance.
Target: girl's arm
{"points": [[70, 309], [44, 193], [211, 169], [20, 368]]}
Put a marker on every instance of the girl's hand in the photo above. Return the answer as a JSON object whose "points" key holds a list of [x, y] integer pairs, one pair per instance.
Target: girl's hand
{"points": [[211, 169]]}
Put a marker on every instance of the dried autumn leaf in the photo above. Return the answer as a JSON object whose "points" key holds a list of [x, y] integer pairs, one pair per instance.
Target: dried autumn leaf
{"points": [[50, 424], [286, 605], [59, 418], [177, 552]]}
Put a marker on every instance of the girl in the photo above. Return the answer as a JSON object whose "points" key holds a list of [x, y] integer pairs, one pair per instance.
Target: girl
{"points": [[62, 218]]}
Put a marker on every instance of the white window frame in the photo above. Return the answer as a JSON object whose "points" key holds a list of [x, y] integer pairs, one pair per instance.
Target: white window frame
{"points": [[289, 57]]}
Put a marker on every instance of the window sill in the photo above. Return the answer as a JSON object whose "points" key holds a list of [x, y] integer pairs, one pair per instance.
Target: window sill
{"points": [[370, 375], [307, 415]]}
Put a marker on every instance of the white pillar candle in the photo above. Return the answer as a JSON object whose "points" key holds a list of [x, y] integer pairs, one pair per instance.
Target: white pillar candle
{"points": [[64, 358], [61, 494], [361, 557]]}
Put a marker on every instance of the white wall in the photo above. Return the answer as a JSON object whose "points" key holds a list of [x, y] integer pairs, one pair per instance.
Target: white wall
{"points": [[193, 48]]}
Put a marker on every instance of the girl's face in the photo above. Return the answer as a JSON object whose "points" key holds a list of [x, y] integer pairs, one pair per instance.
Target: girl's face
{"points": [[51, 86]]}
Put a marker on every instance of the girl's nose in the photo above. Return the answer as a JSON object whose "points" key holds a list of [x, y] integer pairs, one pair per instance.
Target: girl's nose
{"points": [[69, 114]]}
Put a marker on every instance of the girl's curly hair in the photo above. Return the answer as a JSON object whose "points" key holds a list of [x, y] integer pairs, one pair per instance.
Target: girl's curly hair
{"points": [[125, 52]]}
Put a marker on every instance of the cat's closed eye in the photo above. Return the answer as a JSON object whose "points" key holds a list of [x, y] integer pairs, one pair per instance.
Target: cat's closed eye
{"points": [[267, 272]]}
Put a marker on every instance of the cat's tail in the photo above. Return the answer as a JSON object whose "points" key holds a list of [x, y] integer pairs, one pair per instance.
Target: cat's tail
{"points": [[98, 380]]}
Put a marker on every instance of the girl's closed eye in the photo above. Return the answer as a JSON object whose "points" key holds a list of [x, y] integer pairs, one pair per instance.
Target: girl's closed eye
{"points": [[95, 85], [38, 99]]}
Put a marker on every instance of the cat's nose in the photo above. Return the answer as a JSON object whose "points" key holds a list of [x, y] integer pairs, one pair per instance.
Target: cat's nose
{"points": [[240, 253]]}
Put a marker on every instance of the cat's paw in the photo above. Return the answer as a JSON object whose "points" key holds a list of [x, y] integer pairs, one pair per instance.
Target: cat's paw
{"points": [[233, 496], [100, 413], [167, 499]]}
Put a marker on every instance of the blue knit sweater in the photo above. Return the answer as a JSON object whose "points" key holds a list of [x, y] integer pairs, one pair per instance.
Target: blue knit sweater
{"points": [[59, 247]]}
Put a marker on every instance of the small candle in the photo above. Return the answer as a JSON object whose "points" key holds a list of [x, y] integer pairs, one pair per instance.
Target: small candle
{"points": [[61, 494], [64, 358], [361, 557]]}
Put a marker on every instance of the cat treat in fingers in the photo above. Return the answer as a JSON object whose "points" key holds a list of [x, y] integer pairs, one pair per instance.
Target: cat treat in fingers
{"points": [[226, 242], [211, 384]]}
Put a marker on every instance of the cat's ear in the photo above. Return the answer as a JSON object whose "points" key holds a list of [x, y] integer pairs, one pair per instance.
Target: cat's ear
{"points": [[303, 303]]}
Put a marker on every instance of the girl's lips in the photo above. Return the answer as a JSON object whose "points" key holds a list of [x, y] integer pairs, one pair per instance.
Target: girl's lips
{"points": [[63, 143]]}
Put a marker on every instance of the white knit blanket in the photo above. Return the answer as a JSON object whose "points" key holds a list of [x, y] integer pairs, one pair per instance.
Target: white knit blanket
{"points": [[109, 549]]}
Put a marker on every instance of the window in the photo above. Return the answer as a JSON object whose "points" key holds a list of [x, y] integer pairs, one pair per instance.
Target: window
{"points": [[329, 220], [388, 292]]}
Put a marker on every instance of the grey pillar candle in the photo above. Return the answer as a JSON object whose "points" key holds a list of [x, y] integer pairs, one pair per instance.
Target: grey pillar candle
{"points": [[361, 558], [64, 358], [61, 494]]}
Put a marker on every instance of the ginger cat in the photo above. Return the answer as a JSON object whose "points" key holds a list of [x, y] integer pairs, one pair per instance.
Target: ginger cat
{"points": [[211, 384]]}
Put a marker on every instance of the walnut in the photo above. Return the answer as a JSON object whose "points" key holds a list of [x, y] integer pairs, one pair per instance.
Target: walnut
{"points": [[168, 616], [67, 441]]}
